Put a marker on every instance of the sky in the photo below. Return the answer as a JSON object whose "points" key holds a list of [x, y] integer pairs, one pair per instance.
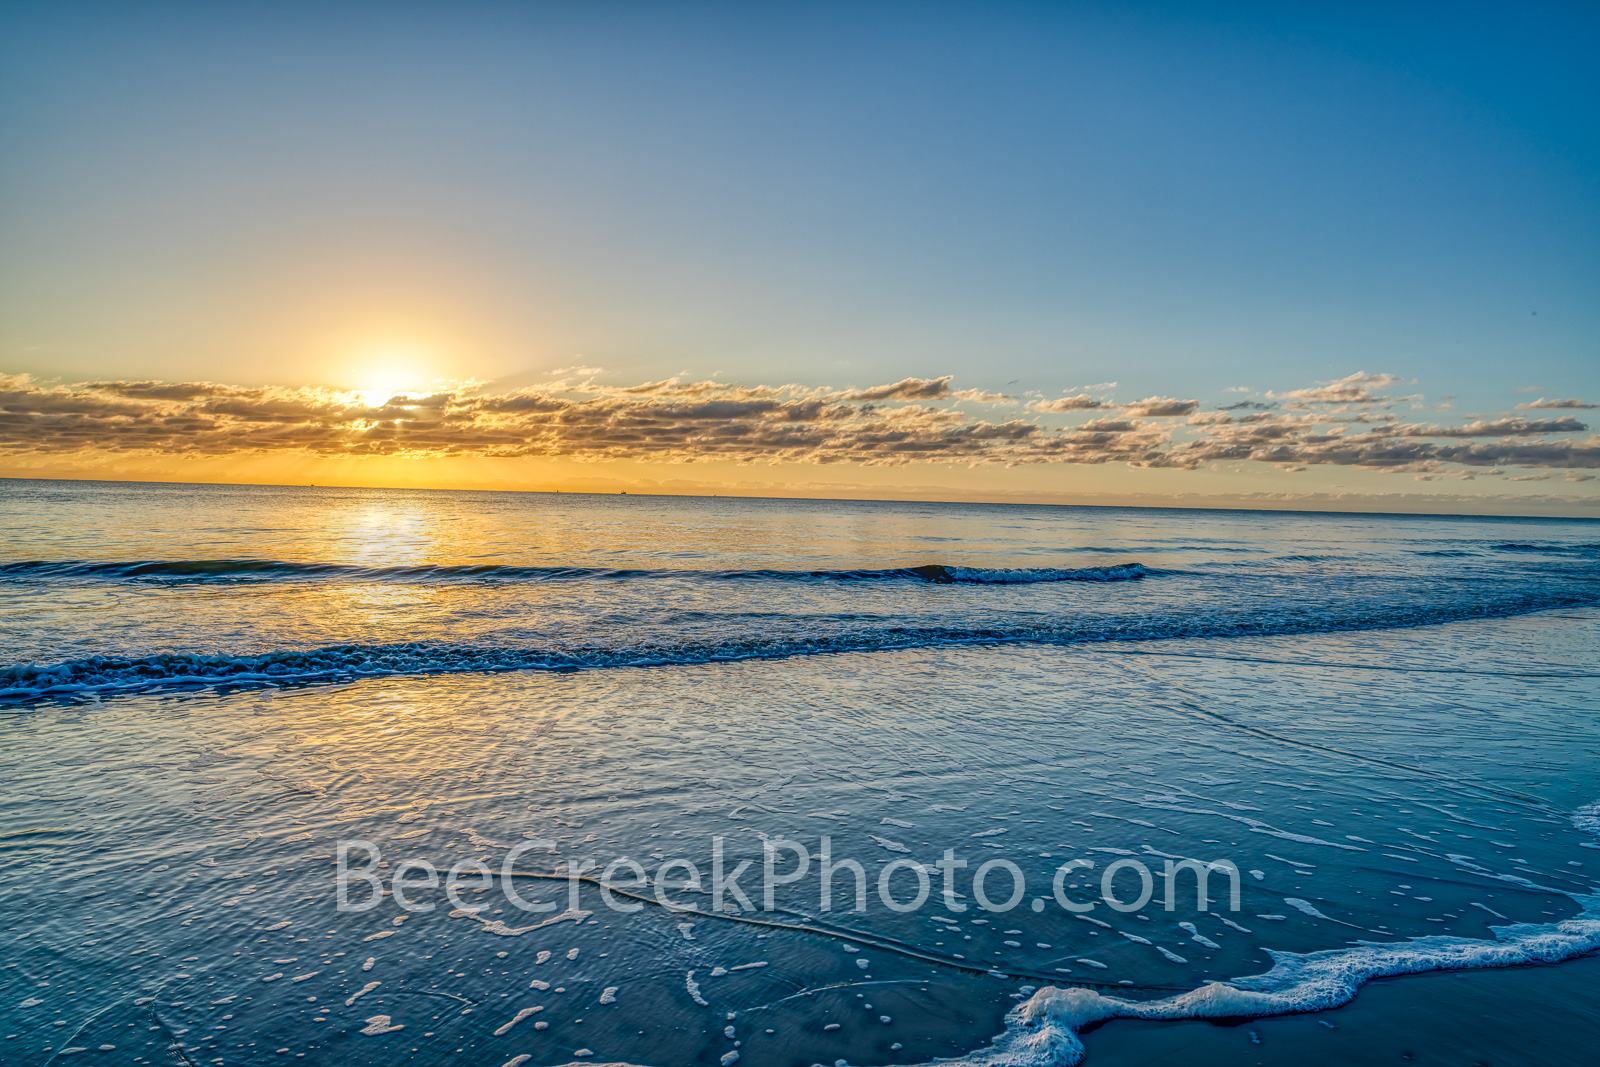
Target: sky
{"points": [[693, 247]]}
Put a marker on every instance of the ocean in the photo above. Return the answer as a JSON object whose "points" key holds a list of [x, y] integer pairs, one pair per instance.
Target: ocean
{"points": [[392, 776]]}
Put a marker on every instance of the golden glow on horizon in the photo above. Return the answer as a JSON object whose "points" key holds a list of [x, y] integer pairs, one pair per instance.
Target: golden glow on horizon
{"points": [[1269, 489]]}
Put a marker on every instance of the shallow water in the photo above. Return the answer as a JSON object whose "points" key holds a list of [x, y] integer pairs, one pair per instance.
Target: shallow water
{"points": [[1389, 743]]}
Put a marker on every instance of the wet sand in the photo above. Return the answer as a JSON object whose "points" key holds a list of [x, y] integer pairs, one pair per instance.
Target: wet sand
{"points": [[1547, 1015]]}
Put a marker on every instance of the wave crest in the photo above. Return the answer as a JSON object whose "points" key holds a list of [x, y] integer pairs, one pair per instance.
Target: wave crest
{"points": [[225, 570]]}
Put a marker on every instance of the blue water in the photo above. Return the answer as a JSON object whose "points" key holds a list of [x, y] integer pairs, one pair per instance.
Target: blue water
{"points": [[1386, 722], [124, 586]]}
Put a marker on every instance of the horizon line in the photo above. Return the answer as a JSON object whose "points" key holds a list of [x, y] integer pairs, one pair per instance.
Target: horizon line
{"points": [[1264, 507]]}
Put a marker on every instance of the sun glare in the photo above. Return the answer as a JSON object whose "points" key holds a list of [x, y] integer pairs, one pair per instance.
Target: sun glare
{"points": [[380, 390], [389, 373]]}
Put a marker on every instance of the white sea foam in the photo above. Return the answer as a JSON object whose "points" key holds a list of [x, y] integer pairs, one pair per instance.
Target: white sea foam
{"points": [[1306, 907], [521, 1015], [498, 926], [478, 840], [1043, 1030], [358, 994]]}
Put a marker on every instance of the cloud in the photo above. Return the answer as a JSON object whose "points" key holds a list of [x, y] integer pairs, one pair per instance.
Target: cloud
{"points": [[1357, 388], [163, 390], [906, 389], [673, 387], [912, 420], [1162, 406], [1506, 427], [666, 419], [1305, 440], [1080, 402], [1557, 405], [1150, 407]]}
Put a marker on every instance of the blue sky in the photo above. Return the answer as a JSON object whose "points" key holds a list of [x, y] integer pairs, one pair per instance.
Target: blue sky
{"points": [[1181, 198]]}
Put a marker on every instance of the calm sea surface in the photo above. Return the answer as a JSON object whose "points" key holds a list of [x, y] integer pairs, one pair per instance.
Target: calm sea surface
{"points": [[1381, 729]]}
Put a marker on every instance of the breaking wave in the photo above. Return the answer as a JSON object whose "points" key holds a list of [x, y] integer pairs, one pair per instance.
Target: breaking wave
{"points": [[112, 672], [224, 570]]}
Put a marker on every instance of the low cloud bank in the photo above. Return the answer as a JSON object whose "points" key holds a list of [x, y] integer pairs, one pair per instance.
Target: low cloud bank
{"points": [[1348, 422]]}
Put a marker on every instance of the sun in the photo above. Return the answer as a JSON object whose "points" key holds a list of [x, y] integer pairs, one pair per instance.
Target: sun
{"points": [[382, 387], [389, 373]]}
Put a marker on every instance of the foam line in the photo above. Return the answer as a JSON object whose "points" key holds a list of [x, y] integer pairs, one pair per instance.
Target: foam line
{"points": [[1043, 1030]]}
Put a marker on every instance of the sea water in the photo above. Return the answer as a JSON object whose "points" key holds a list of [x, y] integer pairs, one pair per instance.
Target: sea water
{"points": [[228, 709]]}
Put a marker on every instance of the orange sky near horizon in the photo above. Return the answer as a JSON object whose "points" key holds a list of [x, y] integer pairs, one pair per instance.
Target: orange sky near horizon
{"points": [[1103, 485]]}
